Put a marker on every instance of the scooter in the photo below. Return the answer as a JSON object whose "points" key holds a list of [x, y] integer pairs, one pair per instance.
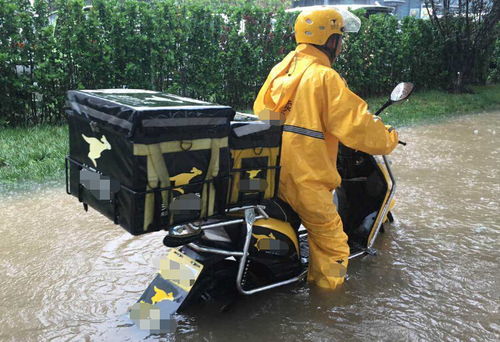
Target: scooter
{"points": [[260, 247]]}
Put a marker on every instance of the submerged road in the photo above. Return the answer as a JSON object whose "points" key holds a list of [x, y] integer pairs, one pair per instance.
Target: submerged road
{"points": [[68, 275]]}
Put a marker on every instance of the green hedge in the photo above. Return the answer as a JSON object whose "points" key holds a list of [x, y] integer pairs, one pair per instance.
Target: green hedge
{"points": [[184, 48], [494, 65]]}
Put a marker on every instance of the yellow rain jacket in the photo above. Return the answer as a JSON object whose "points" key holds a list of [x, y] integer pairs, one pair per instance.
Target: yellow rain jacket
{"points": [[319, 111]]}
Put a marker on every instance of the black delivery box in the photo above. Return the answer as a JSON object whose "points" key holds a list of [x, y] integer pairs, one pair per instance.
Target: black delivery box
{"points": [[148, 160], [255, 158]]}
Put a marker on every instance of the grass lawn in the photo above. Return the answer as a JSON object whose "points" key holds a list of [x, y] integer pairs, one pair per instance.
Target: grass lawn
{"points": [[37, 154], [34, 154]]}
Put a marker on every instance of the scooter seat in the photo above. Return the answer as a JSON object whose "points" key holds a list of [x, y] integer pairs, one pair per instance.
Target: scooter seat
{"points": [[280, 210]]}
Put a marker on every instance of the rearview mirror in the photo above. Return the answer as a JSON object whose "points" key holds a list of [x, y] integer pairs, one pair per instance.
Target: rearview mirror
{"points": [[401, 92]]}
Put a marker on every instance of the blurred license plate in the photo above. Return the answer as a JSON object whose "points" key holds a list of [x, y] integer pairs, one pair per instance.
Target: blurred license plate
{"points": [[180, 269], [166, 293]]}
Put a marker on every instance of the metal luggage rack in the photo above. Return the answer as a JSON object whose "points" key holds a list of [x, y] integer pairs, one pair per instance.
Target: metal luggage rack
{"points": [[136, 194], [252, 214]]}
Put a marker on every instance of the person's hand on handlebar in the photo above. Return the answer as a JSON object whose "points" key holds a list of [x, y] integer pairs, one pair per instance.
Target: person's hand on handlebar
{"points": [[390, 129]]}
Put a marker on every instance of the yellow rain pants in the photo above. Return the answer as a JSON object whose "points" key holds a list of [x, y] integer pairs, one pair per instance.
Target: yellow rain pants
{"points": [[319, 111]]}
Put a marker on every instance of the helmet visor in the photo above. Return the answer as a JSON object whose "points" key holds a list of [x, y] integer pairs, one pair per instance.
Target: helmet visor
{"points": [[351, 22]]}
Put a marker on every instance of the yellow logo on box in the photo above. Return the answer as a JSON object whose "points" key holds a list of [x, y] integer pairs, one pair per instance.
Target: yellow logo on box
{"points": [[253, 173], [185, 178], [96, 147]]}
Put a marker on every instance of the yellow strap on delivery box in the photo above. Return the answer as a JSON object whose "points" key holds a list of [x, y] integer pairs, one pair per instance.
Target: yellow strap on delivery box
{"points": [[238, 155], [158, 176]]}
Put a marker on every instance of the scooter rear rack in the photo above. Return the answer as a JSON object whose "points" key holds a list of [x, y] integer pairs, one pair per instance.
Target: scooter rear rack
{"points": [[249, 220], [252, 214]]}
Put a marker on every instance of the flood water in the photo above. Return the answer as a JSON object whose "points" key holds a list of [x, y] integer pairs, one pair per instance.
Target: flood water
{"points": [[68, 275]]}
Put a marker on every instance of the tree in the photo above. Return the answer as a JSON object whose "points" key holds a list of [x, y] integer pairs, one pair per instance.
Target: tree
{"points": [[260, 3], [467, 31]]}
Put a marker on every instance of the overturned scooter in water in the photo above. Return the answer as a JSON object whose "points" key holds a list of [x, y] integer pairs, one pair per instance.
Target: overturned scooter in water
{"points": [[259, 247]]}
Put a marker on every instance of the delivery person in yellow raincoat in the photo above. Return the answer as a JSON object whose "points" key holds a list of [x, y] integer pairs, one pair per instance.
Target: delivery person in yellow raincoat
{"points": [[319, 110]]}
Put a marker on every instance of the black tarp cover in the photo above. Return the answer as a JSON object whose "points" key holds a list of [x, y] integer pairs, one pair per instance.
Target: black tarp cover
{"points": [[146, 116]]}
